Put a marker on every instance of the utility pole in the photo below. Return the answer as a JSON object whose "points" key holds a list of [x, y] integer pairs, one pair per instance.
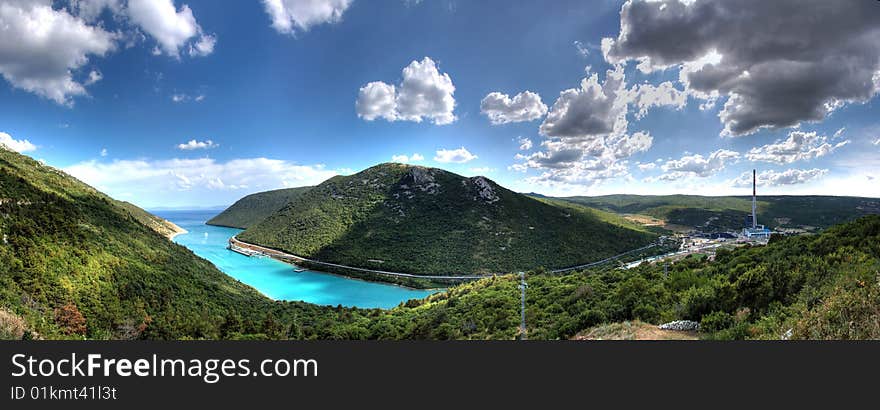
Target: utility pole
{"points": [[522, 309]]}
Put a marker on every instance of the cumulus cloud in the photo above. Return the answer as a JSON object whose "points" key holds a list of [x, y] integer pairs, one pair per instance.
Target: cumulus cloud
{"points": [[424, 93], [590, 110], [779, 63], [647, 96], [194, 144], [405, 159], [647, 167], [456, 156], [797, 147], [587, 139], [772, 178], [13, 144], [103, 152], [525, 144], [42, 49], [172, 28], [697, 165], [290, 16], [501, 109]]}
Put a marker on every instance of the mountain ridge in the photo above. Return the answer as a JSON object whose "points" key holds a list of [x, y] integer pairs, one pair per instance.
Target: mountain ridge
{"points": [[425, 220]]}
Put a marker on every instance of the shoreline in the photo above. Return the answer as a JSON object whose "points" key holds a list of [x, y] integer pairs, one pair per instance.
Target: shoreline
{"points": [[175, 230]]}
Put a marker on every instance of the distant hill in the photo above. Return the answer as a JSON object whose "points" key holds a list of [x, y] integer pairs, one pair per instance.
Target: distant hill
{"points": [[426, 220], [808, 213], [254, 208]]}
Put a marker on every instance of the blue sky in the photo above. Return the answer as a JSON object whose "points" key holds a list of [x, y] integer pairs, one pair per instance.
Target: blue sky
{"points": [[187, 103]]}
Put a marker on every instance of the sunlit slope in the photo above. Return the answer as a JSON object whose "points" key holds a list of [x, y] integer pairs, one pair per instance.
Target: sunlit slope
{"points": [[426, 220], [69, 252]]}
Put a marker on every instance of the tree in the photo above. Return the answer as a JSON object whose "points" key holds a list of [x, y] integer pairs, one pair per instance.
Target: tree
{"points": [[70, 320]]}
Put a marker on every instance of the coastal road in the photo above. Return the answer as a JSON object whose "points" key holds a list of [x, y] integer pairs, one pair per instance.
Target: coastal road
{"points": [[294, 258]]}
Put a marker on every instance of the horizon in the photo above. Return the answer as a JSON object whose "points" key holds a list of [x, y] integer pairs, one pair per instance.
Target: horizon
{"points": [[176, 104]]}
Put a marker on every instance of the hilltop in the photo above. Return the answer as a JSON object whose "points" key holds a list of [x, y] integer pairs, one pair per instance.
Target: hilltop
{"points": [[426, 220], [254, 208], [807, 213]]}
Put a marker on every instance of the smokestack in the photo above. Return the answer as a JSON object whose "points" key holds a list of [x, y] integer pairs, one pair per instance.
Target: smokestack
{"points": [[754, 200]]}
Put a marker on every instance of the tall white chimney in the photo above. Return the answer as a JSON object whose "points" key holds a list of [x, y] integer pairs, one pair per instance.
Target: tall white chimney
{"points": [[754, 200]]}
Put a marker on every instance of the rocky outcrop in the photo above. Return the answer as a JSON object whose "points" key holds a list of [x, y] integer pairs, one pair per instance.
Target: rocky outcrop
{"points": [[485, 191]]}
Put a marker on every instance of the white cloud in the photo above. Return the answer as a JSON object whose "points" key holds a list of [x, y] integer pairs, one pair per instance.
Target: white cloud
{"points": [[582, 49], [525, 144], [203, 47], [103, 152], [876, 141], [290, 16], [772, 178], [590, 110], [403, 158], [7, 141], [797, 147], [697, 166], [457, 156], [179, 97], [193, 145], [377, 99], [647, 167], [778, 63], [42, 49], [424, 93], [501, 109], [195, 181], [647, 96], [587, 135], [172, 28], [94, 77]]}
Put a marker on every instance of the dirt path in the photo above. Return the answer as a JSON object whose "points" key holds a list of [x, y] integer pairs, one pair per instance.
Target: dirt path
{"points": [[635, 330]]}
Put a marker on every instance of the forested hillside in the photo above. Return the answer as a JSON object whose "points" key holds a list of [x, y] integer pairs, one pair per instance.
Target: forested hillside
{"points": [[253, 208], [426, 220], [725, 213]]}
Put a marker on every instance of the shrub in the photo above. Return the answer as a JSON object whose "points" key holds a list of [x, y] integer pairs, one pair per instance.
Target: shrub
{"points": [[70, 320], [716, 321]]}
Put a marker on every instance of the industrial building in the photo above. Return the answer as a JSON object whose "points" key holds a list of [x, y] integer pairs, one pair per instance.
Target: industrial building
{"points": [[755, 232]]}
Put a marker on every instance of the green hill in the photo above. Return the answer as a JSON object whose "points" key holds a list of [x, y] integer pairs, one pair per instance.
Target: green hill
{"points": [[74, 262], [253, 208], [426, 220], [807, 213]]}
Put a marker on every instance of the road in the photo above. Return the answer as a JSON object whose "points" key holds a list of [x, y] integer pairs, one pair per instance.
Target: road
{"points": [[295, 258]]}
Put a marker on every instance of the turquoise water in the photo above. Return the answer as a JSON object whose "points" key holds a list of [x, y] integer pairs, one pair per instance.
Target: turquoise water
{"points": [[277, 280]]}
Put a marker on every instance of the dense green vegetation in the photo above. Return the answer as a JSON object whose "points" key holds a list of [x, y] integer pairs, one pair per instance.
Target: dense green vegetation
{"points": [[253, 208], [74, 263], [425, 220], [68, 250], [733, 212]]}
